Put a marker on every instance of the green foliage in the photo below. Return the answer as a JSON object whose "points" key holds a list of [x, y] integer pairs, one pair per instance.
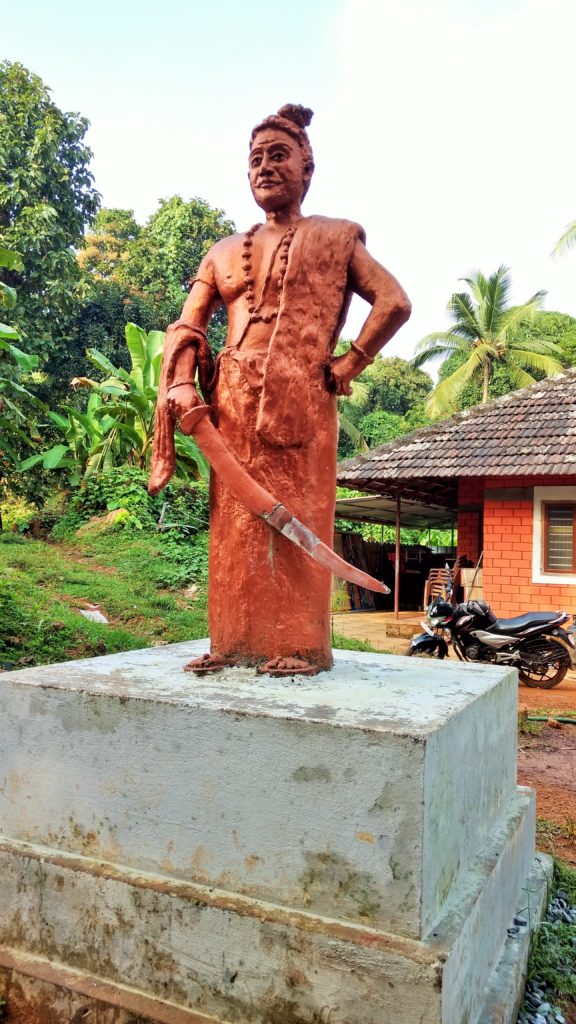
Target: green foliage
{"points": [[349, 643], [167, 252], [108, 306], [558, 328], [182, 509], [567, 239], [379, 427], [46, 198], [395, 386], [388, 401], [117, 426], [42, 586], [552, 955], [106, 248], [142, 274], [16, 513], [186, 562], [485, 334], [19, 408]]}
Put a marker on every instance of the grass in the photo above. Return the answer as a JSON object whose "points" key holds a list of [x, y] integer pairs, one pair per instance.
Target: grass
{"points": [[141, 583], [553, 952], [42, 586], [348, 643], [526, 728], [550, 830]]}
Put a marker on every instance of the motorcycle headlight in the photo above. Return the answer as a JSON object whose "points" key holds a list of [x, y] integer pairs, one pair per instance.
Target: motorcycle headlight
{"points": [[436, 620]]}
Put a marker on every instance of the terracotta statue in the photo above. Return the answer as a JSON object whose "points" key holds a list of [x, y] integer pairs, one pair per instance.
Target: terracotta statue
{"points": [[272, 395]]}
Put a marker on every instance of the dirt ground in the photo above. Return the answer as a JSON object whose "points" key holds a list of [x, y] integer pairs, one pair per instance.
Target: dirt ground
{"points": [[547, 762]]}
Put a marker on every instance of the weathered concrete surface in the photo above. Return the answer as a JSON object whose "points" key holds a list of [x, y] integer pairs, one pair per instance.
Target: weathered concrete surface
{"points": [[356, 793], [506, 985], [39, 992], [242, 960], [346, 849]]}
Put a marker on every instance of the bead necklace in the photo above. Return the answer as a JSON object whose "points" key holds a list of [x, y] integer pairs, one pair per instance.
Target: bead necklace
{"points": [[282, 248]]}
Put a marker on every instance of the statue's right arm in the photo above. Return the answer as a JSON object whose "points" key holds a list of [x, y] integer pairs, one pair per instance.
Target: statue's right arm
{"points": [[202, 301]]}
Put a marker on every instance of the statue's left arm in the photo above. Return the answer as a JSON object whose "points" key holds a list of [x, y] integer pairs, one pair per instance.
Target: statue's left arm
{"points": [[390, 309]]}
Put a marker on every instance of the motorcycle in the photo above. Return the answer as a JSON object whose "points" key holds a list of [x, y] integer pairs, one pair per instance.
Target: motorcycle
{"points": [[536, 643]]}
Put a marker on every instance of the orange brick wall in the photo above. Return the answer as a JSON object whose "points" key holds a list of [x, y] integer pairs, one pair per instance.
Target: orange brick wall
{"points": [[507, 567], [470, 492]]}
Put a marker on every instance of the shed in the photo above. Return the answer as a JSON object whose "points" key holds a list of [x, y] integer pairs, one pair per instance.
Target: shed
{"points": [[508, 469]]}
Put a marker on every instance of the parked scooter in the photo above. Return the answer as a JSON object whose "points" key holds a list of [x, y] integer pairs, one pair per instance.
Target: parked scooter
{"points": [[535, 643]]}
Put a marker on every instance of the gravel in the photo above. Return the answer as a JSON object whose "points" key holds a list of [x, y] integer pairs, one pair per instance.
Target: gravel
{"points": [[538, 1006]]}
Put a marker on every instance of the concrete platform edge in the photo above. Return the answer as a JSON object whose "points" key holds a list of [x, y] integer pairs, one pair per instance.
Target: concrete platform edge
{"points": [[506, 984]]}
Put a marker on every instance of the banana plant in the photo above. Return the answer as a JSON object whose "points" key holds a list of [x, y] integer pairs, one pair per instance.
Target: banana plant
{"points": [[19, 408], [117, 427]]}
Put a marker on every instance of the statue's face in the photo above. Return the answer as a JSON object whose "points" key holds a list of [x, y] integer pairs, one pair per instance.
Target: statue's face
{"points": [[276, 170]]}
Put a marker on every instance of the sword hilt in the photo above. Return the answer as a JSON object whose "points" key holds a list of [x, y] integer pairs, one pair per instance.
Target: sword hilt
{"points": [[191, 418]]}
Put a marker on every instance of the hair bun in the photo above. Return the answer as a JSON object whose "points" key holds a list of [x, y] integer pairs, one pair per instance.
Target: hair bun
{"points": [[296, 113]]}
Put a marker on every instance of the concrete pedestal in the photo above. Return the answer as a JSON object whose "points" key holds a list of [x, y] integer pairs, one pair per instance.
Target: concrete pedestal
{"points": [[345, 849]]}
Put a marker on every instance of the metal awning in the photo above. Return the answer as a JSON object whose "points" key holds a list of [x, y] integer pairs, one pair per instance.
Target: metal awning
{"points": [[377, 509]]}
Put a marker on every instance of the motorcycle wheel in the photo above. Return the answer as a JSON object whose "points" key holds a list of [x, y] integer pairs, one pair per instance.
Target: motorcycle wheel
{"points": [[413, 652], [548, 674]]}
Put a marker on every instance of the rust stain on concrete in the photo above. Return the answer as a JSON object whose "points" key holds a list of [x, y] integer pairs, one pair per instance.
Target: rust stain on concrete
{"points": [[366, 837], [355, 934]]}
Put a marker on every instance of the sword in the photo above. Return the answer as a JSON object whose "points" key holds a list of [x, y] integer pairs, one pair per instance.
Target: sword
{"points": [[262, 503]]}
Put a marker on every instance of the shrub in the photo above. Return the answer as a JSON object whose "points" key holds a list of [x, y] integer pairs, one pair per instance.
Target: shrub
{"points": [[182, 508]]}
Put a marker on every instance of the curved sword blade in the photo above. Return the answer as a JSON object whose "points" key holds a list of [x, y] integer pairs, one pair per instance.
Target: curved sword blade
{"points": [[262, 503]]}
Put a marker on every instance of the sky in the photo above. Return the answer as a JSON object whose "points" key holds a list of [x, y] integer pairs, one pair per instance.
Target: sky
{"points": [[445, 127]]}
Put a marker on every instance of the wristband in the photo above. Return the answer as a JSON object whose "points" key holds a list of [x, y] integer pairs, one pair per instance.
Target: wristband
{"points": [[179, 384], [191, 327], [366, 359]]}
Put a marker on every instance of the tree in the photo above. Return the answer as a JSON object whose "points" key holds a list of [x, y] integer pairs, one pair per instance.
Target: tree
{"points": [[558, 328], [379, 427], [395, 385], [106, 249], [485, 336], [19, 408], [46, 199], [167, 252], [387, 400], [141, 274], [566, 241], [117, 426]]}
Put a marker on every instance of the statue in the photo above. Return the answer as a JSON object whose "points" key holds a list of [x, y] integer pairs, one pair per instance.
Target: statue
{"points": [[272, 397]]}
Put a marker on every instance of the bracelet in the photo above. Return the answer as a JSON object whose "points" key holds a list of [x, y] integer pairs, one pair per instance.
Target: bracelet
{"points": [[200, 280], [366, 359], [191, 327], [179, 384]]}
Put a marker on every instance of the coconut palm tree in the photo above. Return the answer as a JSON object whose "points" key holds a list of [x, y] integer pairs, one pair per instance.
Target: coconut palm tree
{"points": [[483, 332], [566, 240]]}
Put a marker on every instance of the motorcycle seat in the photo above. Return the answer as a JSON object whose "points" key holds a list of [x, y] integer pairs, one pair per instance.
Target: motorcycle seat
{"points": [[522, 622]]}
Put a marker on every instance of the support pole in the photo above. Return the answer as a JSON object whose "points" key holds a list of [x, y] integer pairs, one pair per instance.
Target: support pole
{"points": [[397, 562]]}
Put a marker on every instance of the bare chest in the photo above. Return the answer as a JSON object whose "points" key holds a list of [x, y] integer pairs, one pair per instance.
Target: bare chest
{"points": [[249, 268]]}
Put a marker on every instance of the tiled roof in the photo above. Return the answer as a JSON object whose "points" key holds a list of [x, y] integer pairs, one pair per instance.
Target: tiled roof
{"points": [[531, 431]]}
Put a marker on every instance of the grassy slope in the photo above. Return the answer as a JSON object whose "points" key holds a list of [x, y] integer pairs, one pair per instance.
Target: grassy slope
{"points": [[42, 586]]}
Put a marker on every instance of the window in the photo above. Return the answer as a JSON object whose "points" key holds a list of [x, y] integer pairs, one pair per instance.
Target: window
{"points": [[554, 535], [558, 542]]}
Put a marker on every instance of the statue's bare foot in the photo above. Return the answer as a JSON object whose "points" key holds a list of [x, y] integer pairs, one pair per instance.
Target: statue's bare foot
{"points": [[288, 667], [207, 663]]}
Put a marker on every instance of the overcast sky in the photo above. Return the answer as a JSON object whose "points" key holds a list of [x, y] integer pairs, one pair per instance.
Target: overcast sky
{"points": [[446, 127]]}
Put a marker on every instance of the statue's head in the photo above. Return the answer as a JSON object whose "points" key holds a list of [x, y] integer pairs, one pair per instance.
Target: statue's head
{"points": [[281, 161]]}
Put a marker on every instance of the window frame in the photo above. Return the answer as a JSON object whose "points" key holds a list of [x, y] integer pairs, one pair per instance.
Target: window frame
{"points": [[557, 495]]}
